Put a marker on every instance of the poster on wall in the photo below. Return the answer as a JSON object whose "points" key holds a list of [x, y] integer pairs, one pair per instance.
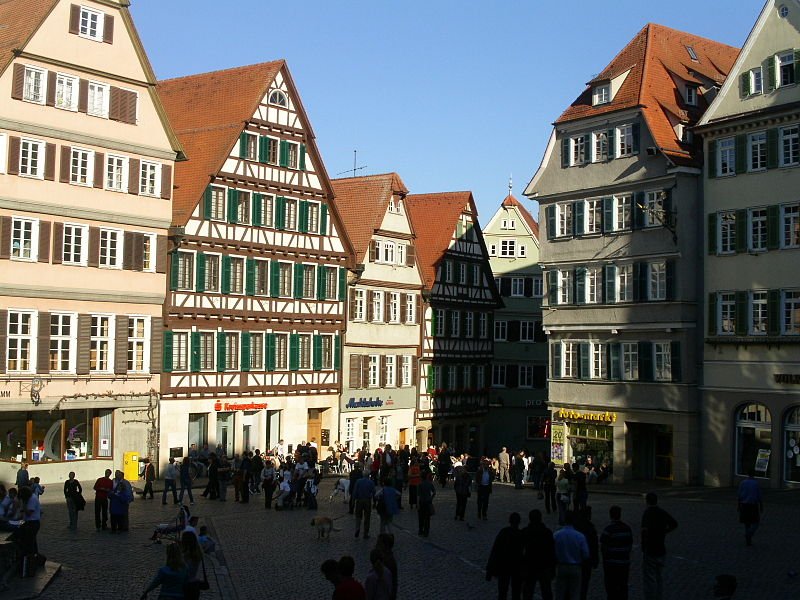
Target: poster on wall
{"points": [[762, 460], [557, 442]]}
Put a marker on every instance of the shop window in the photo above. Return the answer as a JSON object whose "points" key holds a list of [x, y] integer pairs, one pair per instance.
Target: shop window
{"points": [[78, 434], [225, 432], [753, 433], [538, 428], [198, 429], [12, 444], [792, 446]]}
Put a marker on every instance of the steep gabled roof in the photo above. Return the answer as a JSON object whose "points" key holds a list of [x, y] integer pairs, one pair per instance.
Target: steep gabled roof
{"points": [[362, 204], [208, 111], [511, 202], [655, 57], [19, 20], [434, 218]]}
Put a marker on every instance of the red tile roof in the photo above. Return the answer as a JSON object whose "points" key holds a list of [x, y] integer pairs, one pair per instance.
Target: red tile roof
{"points": [[362, 203], [434, 218], [510, 202], [653, 56], [19, 20]]}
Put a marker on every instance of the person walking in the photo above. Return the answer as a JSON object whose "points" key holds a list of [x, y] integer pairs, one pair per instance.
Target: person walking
{"points": [[518, 470], [750, 506], [583, 524], [354, 476], [224, 475], [484, 479], [571, 552], [149, 476], [426, 494], [170, 477], [443, 464], [23, 476], [386, 504], [462, 485], [73, 493], [171, 578], [414, 479], [506, 559], [268, 480], [563, 489], [186, 480], [363, 494], [120, 498], [102, 487], [580, 494], [539, 557], [384, 545], [656, 524], [616, 543], [503, 462], [549, 476]]}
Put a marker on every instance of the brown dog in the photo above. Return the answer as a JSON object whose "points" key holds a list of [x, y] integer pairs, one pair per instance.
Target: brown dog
{"points": [[324, 527]]}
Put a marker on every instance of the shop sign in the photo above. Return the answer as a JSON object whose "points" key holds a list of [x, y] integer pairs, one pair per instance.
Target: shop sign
{"points": [[792, 378], [531, 403], [579, 415], [364, 403], [230, 406]]}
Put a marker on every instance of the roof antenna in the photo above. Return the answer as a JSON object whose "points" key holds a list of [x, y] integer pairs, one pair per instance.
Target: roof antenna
{"points": [[355, 168]]}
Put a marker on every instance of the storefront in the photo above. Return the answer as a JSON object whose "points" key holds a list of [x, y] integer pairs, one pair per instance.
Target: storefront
{"points": [[370, 419], [581, 437]]}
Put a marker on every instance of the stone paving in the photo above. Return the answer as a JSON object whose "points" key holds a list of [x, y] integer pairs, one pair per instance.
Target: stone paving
{"points": [[268, 554]]}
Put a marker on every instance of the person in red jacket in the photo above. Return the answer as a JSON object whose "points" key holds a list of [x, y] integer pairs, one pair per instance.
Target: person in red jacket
{"points": [[102, 487]]}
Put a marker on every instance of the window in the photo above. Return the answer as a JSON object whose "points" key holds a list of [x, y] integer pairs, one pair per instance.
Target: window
{"points": [[111, 248], [250, 147], [564, 287], [278, 98], [20, 341], [24, 238], [285, 279], [525, 376], [507, 224], [137, 344], [292, 154], [237, 275], [373, 371], [313, 217], [66, 92], [462, 274], [448, 271], [757, 143], [753, 433], [600, 146], [405, 371], [74, 245], [207, 350], [180, 350], [598, 367], [394, 205], [309, 281], [658, 281], [758, 229], [483, 326], [594, 215], [522, 251], [91, 24], [390, 366], [261, 275], [242, 207], [269, 211], [727, 313], [692, 53], [148, 252], [31, 158], [791, 225], [394, 307], [570, 359], [377, 306], [625, 283], [500, 331], [217, 203], [256, 351], [517, 286], [304, 356], [508, 248], [100, 344], [477, 280], [98, 97], [291, 214], [564, 215], [116, 173], [538, 286], [469, 325], [411, 309], [622, 212], [791, 312], [579, 150], [149, 184], [727, 232], [601, 94], [498, 375], [653, 209], [630, 361], [527, 331], [756, 81], [790, 145], [455, 323], [388, 252], [34, 89], [758, 313], [466, 377], [186, 270], [359, 304], [81, 167], [786, 68], [281, 351], [662, 365], [594, 285], [401, 254], [212, 278], [624, 140], [493, 250], [691, 95]]}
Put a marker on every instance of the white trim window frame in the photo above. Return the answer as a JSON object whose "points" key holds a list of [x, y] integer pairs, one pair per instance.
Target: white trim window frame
{"points": [[24, 239], [455, 324], [498, 376], [3, 153], [483, 326], [624, 140], [111, 248], [91, 24], [292, 155], [359, 305], [98, 99], [401, 254], [756, 81], [477, 280], [624, 283], [101, 343], [757, 151], [564, 217], [462, 273], [149, 178], [600, 145], [662, 361], [598, 367], [601, 94], [630, 361], [67, 92], [469, 325], [218, 203], [63, 342], [237, 283], [691, 95], [405, 371], [508, 248], [326, 345], [758, 312], [373, 371], [304, 351], [726, 232], [186, 274], [527, 331], [243, 203], [565, 286], [657, 280], [116, 175], [578, 150], [653, 209], [377, 305], [517, 287], [538, 286], [290, 213], [281, 351], [757, 229], [525, 378], [149, 241], [180, 351], [390, 363], [313, 217], [784, 68], [394, 307], [790, 306], [411, 309], [594, 216], [213, 274], [500, 331], [790, 223], [262, 276], [569, 362], [21, 341], [726, 313], [522, 251], [138, 344], [81, 167], [208, 351], [790, 146], [34, 88], [75, 245], [31, 158], [285, 279], [387, 252], [232, 349], [594, 285], [623, 212], [448, 271]]}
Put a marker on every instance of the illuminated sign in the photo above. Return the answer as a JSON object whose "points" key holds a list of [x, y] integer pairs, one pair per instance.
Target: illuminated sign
{"points": [[239, 406], [578, 415]]}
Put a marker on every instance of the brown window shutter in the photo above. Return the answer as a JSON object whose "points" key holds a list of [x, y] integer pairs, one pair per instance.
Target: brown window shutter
{"points": [[99, 169], [370, 298], [133, 176], [403, 311], [3, 330], [83, 95], [419, 317], [108, 29], [50, 162], [372, 250], [58, 243], [5, 237], [127, 250], [161, 254], [115, 104], [156, 344], [128, 107], [84, 344], [51, 88], [43, 344], [74, 19], [94, 247], [18, 83], [66, 160], [414, 370], [137, 251], [352, 304], [411, 255], [355, 370], [365, 370], [166, 182], [13, 155], [383, 371], [121, 343], [387, 297], [44, 241], [398, 370]]}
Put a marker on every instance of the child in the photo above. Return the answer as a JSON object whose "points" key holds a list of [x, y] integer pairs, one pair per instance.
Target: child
{"points": [[206, 542], [36, 487]]}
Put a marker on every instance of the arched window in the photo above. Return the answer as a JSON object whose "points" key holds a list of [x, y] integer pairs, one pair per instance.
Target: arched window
{"points": [[278, 98], [791, 445], [753, 433]]}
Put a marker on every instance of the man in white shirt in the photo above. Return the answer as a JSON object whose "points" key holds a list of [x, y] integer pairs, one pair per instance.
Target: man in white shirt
{"points": [[170, 477]]}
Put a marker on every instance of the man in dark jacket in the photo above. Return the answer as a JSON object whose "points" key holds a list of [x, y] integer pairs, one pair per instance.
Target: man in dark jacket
{"points": [[583, 524], [483, 483], [616, 543], [355, 475], [149, 476], [506, 559], [539, 557], [656, 524]]}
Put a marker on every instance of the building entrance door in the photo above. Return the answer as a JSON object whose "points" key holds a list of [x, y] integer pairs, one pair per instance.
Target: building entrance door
{"points": [[403, 438], [314, 428], [651, 451]]}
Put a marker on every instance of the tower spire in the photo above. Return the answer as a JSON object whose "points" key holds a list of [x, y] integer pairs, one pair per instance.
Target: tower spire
{"points": [[510, 184]]}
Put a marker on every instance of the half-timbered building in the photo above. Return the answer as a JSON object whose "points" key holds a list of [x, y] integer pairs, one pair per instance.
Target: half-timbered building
{"points": [[381, 350], [459, 297], [258, 268]]}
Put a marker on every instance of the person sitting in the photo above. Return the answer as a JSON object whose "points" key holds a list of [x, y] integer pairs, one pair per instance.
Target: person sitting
{"points": [[181, 522], [284, 497], [206, 542]]}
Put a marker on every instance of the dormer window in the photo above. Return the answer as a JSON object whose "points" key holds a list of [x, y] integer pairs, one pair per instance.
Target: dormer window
{"points": [[691, 95], [601, 94], [278, 98], [692, 53], [394, 205]]}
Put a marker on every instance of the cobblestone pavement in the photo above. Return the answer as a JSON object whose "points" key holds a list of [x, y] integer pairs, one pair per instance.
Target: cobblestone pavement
{"points": [[276, 555]]}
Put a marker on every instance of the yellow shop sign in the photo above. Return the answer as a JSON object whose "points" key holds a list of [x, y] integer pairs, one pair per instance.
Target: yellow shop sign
{"points": [[578, 415]]}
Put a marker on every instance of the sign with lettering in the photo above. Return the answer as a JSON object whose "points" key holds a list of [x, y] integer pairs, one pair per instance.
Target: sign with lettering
{"points": [[792, 378], [364, 403], [579, 415], [230, 406]]}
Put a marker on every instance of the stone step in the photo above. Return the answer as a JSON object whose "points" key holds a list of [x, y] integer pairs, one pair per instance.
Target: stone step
{"points": [[24, 588]]}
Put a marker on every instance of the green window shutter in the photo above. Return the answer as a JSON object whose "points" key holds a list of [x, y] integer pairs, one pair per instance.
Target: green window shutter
{"points": [[342, 283], [194, 356], [564, 152], [740, 145], [579, 281], [773, 227], [670, 279], [640, 278], [638, 213], [711, 165], [552, 287], [583, 361], [302, 162], [258, 209], [555, 352], [744, 79], [245, 358], [431, 383], [243, 145], [579, 208], [263, 148], [459, 230], [610, 278], [741, 230], [270, 351], [284, 154], [550, 213], [337, 352], [772, 148], [712, 233], [207, 199], [233, 206], [323, 220], [741, 308], [298, 280], [771, 81], [302, 217], [317, 353], [280, 212], [220, 351], [250, 277], [608, 215], [225, 284], [167, 352], [774, 312], [712, 313], [614, 352], [274, 278], [646, 361], [636, 129], [321, 280], [675, 360], [173, 271], [294, 351], [200, 279], [612, 144]]}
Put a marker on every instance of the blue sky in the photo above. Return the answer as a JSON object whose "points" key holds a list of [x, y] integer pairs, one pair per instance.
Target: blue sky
{"points": [[451, 94]]}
